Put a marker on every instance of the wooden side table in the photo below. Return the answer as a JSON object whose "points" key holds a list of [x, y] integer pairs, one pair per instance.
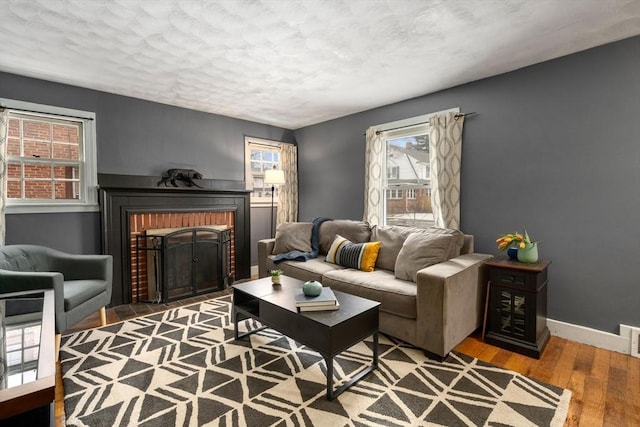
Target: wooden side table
{"points": [[517, 306]]}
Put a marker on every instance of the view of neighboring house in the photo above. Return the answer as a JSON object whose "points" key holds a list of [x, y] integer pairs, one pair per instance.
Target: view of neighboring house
{"points": [[408, 189]]}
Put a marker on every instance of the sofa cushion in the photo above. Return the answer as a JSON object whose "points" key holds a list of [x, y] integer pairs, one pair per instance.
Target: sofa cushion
{"points": [[458, 239], [421, 250], [361, 256], [356, 231], [391, 238], [397, 297], [293, 236], [312, 269]]}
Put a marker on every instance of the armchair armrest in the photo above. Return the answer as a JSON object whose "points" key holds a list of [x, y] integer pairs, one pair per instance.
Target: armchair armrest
{"points": [[83, 267], [450, 303], [18, 281], [80, 267], [265, 247]]}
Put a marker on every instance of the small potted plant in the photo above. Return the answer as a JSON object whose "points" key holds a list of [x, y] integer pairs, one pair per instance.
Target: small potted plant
{"points": [[275, 276]]}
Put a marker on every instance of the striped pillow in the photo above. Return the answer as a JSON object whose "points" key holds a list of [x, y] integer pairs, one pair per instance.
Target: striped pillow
{"points": [[353, 255]]}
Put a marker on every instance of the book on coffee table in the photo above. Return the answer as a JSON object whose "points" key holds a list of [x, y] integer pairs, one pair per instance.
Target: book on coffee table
{"points": [[307, 308], [326, 298]]}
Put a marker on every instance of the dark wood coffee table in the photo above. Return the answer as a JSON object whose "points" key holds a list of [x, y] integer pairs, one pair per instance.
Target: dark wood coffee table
{"points": [[327, 332]]}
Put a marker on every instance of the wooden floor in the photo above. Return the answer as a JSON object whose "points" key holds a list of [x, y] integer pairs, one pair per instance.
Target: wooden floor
{"points": [[605, 384]]}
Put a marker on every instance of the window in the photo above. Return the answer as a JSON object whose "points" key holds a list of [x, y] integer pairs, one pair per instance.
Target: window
{"points": [[22, 350], [394, 194], [407, 163], [407, 183], [50, 159], [261, 155]]}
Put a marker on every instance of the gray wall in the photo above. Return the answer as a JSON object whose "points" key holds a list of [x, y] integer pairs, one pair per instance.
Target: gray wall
{"points": [[134, 137], [554, 147]]}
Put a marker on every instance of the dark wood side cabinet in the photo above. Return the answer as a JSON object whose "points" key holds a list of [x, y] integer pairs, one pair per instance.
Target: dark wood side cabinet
{"points": [[517, 306]]}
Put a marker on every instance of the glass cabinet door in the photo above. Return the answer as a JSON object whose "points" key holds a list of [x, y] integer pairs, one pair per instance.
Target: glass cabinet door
{"points": [[509, 316], [512, 314]]}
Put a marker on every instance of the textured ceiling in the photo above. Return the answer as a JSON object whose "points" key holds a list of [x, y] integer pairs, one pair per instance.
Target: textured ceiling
{"points": [[295, 63]]}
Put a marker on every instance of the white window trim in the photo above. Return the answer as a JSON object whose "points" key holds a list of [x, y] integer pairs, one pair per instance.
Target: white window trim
{"points": [[247, 166], [90, 184], [398, 125]]}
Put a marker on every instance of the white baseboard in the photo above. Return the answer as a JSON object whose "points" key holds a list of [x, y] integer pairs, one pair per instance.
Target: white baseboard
{"points": [[618, 343], [254, 271]]}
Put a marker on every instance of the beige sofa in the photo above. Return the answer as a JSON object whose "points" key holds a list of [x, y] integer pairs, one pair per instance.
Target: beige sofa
{"points": [[433, 308]]}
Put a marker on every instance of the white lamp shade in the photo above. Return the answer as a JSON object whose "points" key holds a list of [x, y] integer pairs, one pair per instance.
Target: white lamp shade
{"points": [[274, 176]]}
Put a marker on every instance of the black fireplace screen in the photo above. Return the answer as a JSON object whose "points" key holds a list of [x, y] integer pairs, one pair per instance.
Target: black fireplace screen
{"points": [[185, 262]]}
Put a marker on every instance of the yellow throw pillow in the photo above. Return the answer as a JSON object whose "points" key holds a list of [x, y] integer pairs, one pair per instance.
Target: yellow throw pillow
{"points": [[353, 255]]}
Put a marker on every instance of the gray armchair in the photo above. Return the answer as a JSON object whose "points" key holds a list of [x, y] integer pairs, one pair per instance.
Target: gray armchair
{"points": [[81, 283]]}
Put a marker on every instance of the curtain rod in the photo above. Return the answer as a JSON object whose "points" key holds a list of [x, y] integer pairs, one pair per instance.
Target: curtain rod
{"points": [[456, 117], [2, 108]]}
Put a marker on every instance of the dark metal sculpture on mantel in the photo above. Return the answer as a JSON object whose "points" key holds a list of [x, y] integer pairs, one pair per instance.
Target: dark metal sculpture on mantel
{"points": [[185, 175]]}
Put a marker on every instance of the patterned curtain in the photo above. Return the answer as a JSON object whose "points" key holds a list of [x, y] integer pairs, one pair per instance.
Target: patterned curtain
{"points": [[288, 192], [4, 133], [373, 178], [445, 146]]}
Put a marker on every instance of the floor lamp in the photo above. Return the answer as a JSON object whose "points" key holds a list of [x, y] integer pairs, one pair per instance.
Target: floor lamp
{"points": [[273, 177]]}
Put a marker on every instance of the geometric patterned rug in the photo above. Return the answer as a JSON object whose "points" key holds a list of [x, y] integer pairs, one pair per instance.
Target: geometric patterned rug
{"points": [[182, 367]]}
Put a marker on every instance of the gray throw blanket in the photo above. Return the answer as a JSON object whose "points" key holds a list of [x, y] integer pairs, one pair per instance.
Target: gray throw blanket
{"points": [[304, 256]]}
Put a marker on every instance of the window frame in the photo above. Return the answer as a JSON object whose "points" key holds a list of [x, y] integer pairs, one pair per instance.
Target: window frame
{"points": [[87, 164], [267, 145], [399, 129]]}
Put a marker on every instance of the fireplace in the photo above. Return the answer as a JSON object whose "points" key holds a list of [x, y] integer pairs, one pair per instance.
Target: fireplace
{"points": [[182, 262], [133, 206], [144, 281]]}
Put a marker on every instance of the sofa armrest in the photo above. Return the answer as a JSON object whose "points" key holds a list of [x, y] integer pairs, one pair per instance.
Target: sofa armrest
{"points": [[450, 302], [265, 248]]}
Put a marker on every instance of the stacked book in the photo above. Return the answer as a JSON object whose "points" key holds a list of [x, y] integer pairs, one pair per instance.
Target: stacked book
{"points": [[325, 301]]}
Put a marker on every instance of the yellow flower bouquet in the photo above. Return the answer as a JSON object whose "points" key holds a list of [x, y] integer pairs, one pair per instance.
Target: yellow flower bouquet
{"points": [[527, 251], [513, 240]]}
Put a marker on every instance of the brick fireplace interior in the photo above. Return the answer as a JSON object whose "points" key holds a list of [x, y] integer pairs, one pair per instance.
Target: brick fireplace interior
{"points": [[130, 205]]}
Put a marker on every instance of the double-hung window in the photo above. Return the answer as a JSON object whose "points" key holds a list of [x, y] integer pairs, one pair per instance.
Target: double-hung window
{"points": [[51, 160], [261, 155], [407, 200], [406, 183]]}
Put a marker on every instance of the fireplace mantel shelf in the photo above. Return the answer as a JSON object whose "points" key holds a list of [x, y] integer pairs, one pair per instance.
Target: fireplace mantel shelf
{"points": [[150, 183]]}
